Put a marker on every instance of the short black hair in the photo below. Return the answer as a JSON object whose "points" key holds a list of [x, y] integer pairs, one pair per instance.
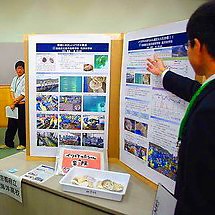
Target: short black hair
{"points": [[20, 63], [201, 26]]}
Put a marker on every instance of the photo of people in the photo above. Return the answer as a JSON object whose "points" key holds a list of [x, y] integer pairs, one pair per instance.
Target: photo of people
{"points": [[162, 161], [70, 84], [88, 67], [95, 84], [48, 139], [93, 140], [135, 149], [129, 77], [93, 122], [69, 121], [94, 103], [46, 102], [47, 85], [142, 78], [47, 121], [70, 103], [101, 61], [68, 138]]}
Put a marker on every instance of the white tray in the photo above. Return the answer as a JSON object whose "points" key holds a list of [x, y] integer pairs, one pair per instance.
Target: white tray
{"points": [[99, 175]]}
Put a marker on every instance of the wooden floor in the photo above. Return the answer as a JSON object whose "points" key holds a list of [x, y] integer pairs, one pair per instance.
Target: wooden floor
{"points": [[7, 152]]}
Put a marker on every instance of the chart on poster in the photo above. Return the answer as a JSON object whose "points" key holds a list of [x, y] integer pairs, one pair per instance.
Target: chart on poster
{"points": [[68, 80], [150, 116]]}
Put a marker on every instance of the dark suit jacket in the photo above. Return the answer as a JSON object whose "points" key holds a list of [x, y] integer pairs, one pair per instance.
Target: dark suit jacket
{"points": [[195, 181]]}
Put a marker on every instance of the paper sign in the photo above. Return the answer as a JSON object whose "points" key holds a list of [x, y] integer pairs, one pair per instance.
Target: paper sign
{"points": [[11, 113], [39, 174], [81, 158], [11, 185], [164, 203]]}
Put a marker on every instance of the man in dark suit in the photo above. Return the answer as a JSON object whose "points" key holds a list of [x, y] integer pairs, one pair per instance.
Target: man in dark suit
{"points": [[195, 182]]}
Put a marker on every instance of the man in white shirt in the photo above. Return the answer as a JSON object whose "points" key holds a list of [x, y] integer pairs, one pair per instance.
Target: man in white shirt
{"points": [[18, 97]]}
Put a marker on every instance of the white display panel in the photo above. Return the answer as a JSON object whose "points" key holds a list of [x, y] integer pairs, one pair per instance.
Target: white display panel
{"points": [[69, 78], [150, 116]]}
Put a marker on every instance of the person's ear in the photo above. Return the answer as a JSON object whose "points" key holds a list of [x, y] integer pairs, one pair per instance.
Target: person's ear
{"points": [[197, 45]]}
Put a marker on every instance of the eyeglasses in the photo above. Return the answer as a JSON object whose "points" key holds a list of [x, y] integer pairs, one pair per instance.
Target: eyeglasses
{"points": [[186, 45]]}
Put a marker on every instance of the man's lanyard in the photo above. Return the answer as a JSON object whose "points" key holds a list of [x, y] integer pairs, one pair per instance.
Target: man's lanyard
{"points": [[17, 84], [192, 103]]}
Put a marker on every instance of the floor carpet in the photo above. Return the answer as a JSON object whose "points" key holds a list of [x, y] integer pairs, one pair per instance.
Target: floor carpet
{"points": [[7, 152]]}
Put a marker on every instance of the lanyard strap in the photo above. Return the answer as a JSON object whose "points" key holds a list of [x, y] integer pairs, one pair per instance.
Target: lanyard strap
{"points": [[192, 103], [17, 84]]}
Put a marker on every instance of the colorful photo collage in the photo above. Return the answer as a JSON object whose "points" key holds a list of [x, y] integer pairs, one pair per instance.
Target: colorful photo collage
{"points": [[72, 84], [73, 103], [51, 139], [136, 127], [70, 109], [70, 122]]}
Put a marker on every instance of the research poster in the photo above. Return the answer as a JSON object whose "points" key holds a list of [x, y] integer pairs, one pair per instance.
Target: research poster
{"points": [[68, 79], [150, 116]]}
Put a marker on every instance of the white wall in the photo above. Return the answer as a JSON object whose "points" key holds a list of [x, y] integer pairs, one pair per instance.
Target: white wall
{"points": [[19, 17]]}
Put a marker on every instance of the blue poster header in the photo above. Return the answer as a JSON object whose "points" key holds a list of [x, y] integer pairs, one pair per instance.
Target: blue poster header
{"points": [[72, 47], [158, 42]]}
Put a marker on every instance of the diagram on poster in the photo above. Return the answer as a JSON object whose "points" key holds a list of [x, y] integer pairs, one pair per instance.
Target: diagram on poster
{"points": [[150, 116], [68, 80]]}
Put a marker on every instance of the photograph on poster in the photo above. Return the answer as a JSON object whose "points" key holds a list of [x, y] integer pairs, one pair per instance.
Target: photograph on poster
{"points": [[142, 78], [136, 127], [101, 61], [70, 84], [160, 160], [46, 102], [69, 121], [95, 84], [88, 67], [92, 122], [45, 62], [135, 149], [129, 125], [94, 103], [48, 139], [47, 121], [70, 103], [93, 140], [47, 84], [179, 51], [130, 77], [69, 138]]}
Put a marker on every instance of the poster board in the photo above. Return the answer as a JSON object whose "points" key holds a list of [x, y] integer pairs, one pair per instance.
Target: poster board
{"points": [[78, 58], [150, 116]]}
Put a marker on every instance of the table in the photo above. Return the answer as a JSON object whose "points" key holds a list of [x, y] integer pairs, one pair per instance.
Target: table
{"points": [[49, 199]]}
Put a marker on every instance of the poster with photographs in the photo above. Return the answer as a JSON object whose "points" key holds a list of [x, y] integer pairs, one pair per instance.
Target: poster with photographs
{"points": [[150, 116], [69, 78]]}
